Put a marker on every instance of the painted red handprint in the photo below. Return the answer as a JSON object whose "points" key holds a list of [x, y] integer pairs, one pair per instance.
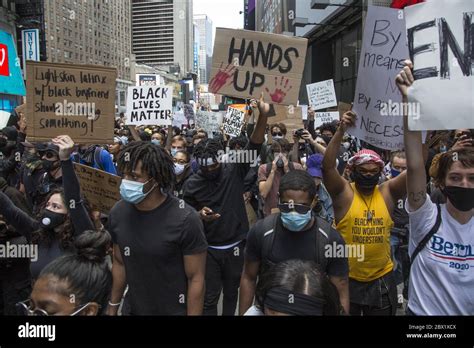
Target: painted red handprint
{"points": [[220, 80], [280, 91]]}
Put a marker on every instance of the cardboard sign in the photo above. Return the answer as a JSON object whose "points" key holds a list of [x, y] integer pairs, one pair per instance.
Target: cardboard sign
{"points": [[149, 105], [77, 100], [325, 117], [233, 122], [20, 109], [290, 116], [343, 108], [321, 95], [440, 42], [383, 52], [101, 189], [247, 63]]}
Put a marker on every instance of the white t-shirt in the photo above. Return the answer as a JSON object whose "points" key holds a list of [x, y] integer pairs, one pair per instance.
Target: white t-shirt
{"points": [[442, 275]]}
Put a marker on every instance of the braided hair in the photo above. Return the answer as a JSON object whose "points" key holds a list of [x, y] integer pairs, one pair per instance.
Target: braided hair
{"points": [[156, 162], [207, 149]]}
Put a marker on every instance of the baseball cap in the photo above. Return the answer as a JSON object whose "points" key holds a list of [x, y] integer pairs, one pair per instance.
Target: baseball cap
{"points": [[314, 163]]}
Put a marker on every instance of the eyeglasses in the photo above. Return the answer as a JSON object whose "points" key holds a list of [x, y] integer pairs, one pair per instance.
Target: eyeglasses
{"points": [[289, 207], [24, 308], [277, 134]]}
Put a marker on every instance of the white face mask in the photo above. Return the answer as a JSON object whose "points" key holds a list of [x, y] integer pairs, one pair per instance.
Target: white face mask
{"points": [[178, 168]]}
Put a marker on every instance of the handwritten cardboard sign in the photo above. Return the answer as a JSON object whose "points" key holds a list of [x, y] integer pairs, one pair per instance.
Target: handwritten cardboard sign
{"points": [[384, 50], [77, 100], [325, 117], [321, 95], [101, 189], [440, 42], [149, 105], [247, 63], [291, 116], [233, 122]]}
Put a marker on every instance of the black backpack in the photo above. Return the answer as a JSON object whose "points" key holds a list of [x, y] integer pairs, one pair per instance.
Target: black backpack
{"points": [[270, 226]]}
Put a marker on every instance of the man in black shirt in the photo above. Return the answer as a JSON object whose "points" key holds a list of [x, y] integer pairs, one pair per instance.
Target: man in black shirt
{"points": [[294, 233], [159, 243], [216, 191]]}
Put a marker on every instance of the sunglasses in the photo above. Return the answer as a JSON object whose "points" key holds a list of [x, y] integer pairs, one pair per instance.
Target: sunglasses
{"points": [[49, 154], [277, 134], [289, 207], [24, 308]]}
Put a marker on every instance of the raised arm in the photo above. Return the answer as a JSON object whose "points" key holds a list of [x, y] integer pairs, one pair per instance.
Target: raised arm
{"points": [[72, 189], [416, 176], [336, 185], [16, 217]]}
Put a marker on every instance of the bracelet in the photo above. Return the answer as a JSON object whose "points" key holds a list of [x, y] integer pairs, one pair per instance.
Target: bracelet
{"points": [[114, 304]]}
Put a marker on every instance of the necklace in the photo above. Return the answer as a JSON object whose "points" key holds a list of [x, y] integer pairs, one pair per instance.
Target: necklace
{"points": [[369, 212]]}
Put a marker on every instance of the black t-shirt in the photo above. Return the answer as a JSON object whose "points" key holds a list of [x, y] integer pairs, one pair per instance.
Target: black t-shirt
{"points": [[225, 197], [152, 245], [288, 245]]}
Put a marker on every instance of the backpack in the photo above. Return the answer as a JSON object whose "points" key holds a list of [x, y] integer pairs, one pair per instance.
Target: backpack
{"points": [[430, 234], [98, 158], [270, 225]]}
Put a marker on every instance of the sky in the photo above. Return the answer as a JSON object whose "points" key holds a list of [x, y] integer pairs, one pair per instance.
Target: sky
{"points": [[223, 13]]}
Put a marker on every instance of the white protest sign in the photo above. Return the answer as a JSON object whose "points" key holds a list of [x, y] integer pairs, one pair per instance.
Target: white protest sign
{"points": [[304, 111], [149, 105], [209, 121], [321, 95], [440, 42], [377, 100], [325, 117], [233, 121], [179, 119]]}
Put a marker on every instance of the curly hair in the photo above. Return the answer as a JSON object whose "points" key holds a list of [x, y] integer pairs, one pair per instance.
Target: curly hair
{"points": [[64, 233]]}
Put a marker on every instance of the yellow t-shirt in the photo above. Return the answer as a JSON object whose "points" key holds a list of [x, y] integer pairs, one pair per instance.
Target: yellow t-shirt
{"points": [[370, 236]]}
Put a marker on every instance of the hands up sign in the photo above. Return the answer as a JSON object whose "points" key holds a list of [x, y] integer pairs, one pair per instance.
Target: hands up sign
{"points": [[246, 63]]}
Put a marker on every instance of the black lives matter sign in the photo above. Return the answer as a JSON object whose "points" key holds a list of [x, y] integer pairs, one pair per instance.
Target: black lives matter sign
{"points": [[149, 105]]}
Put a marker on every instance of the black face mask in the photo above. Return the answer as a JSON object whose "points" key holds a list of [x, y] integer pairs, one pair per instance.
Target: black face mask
{"points": [[280, 163], [211, 174], [460, 197], [6, 146], [326, 139], [49, 165], [364, 181], [51, 220]]}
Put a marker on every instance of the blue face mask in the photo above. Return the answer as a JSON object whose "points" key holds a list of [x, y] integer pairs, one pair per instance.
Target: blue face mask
{"points": [[156, 142], [394, 173], [174, 152], [295, 222], [132, 191]]}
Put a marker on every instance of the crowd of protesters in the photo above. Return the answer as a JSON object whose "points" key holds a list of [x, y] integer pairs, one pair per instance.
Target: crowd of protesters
{"points": [[182, 238]]}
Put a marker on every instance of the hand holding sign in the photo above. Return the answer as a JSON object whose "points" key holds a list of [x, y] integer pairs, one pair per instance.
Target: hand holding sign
{"points": [[65, 144], [405, 78], [221, 78], [347, 121]]}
